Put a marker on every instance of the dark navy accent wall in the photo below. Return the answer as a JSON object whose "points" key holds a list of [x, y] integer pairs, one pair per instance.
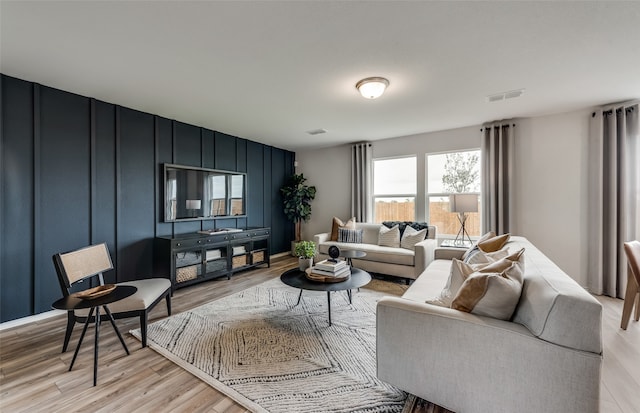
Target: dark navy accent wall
{"points": [[76, 171]]}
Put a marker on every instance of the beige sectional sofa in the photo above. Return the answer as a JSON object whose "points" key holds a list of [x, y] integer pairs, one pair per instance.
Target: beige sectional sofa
{"points": [[547, 358], [400, 262]]}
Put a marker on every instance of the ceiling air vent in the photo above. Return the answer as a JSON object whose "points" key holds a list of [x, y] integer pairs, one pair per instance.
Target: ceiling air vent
{"points": [[316, 131], [505, 95]]}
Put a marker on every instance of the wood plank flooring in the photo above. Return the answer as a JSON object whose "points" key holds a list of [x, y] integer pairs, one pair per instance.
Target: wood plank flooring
{"points": [[34, 376]]}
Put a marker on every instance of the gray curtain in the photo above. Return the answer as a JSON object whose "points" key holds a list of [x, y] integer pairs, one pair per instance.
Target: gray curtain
{"points": [[497, 174], [361, 181], [614, 191]]}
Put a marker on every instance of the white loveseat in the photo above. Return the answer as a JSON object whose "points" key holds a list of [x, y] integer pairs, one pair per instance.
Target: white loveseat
{"points": [[547, 358], [400, 262]]}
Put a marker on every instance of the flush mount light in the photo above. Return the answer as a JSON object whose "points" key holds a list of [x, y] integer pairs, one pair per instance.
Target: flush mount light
{"points": [[372, 87]]}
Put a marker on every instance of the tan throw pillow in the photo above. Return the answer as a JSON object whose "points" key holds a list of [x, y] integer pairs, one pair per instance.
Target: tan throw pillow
{"points": [[337, 223], [389, 237], [411, 237], [486, 236], [493, 294], [459, 273], [493, 244]]}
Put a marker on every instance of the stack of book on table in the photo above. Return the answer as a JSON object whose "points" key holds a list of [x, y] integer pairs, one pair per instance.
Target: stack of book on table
{"points": [[330, 268]]}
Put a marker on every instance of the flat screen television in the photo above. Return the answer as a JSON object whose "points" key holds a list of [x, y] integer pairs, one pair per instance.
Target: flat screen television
{"points": [[193, 193]]}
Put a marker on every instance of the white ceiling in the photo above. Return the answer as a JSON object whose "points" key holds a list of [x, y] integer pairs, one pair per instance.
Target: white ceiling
{"points": [[269, 70]]}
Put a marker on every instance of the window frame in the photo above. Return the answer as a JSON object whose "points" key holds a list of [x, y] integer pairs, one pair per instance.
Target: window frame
{"points": [[375, 196]]}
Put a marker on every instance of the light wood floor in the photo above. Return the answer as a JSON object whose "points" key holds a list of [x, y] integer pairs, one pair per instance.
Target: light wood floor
{"points": [[34, 376]]}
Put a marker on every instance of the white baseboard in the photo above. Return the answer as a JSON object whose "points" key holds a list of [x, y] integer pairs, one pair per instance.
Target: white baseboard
{"points": [[30, 319]]}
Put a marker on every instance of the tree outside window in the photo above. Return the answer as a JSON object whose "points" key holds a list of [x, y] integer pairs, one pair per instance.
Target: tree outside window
{"points": [[452, 173]]}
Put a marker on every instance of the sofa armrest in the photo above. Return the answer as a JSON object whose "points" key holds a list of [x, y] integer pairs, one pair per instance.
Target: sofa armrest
{"points": [[448, 253], [424, 252], [320, 238], [433, 352]]}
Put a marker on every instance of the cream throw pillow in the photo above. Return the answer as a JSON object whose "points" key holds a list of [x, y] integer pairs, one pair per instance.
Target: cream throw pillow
{"points": [[493, 291], [389, 237], [337, 223], [411, 237], [479, 257]]}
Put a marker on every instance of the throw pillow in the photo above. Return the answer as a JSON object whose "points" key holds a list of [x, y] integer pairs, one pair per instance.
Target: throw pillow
{"points": [[486, 236], [337, 223], [493, 294], [411, 237], [389, 237], [350, 235], [459, 273], [493, 244], [478, 257], [403, 224]]}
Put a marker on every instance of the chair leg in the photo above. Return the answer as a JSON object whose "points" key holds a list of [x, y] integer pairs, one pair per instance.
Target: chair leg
{"points": [[629, 300], [71, 321], [638, 306], [143, 328], [168, 298]]}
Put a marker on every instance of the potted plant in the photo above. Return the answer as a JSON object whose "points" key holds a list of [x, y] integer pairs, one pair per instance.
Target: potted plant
{"points": [[305, 251], [297, 199]]}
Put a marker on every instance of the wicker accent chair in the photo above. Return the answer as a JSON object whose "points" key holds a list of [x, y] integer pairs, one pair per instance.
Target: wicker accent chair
{"points": [[86, 263]]}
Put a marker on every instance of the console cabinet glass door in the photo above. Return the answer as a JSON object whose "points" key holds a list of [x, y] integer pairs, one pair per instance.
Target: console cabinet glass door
{"points": [[188, 265]]}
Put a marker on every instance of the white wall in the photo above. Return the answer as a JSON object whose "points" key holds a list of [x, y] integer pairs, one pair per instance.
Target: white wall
{"points": [[550, 183], [330, 171], [551, 187]]}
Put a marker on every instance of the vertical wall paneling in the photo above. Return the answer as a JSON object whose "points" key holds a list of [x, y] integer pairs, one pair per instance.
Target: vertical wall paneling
{"points": [[164, 154], [187, 144], [279, 223], [225, 152], [76, 171], [208, 147], [268, 195], [103, 190], [255, 184], [65, 175], [16, 207], [136, 200], [208, 161], [187, 152]]}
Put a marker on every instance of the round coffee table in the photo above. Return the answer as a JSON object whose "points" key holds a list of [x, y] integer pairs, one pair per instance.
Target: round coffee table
{"points": [[298, 279]]}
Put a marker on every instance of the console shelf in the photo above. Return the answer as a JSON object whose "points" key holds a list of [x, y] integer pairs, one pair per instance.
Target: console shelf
{"points": [[192, 258]]}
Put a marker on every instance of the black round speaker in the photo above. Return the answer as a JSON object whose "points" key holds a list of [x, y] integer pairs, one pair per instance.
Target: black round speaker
{"points": [[334, 252]]}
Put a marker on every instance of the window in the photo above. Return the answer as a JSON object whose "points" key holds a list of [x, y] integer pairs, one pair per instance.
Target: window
{"points": [[451, 173], [394, 189]]}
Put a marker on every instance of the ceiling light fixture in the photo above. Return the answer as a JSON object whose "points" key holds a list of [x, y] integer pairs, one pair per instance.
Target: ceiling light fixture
{"points": [[372, 87]]}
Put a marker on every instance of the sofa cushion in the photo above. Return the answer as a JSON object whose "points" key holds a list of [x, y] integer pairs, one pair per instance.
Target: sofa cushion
{"points": [[411, 237], [337, 223], [389, 237], [375, 253], [350, 235], [430, 282], [493, 291]]}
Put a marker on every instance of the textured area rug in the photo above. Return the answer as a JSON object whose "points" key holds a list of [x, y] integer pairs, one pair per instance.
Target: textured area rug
{"points": [[271, 355]]}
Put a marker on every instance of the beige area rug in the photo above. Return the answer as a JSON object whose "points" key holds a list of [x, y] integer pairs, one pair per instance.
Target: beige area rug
{"points": [[270, 355]]}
